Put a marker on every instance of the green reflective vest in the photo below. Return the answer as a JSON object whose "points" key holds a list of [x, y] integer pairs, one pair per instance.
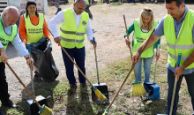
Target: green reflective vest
{"points": [[140, 37], [183, 43], [71, 35], [6, 38], [34, 32]]}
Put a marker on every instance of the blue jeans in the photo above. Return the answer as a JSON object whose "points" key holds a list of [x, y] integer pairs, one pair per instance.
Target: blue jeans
{"points": [[190, 85], [147, 67], [78, 54]]}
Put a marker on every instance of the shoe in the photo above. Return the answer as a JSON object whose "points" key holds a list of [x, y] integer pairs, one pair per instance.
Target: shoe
{"points": [[37, 77], [83, 85], [83, 88], [72, 89], [9, 104]]}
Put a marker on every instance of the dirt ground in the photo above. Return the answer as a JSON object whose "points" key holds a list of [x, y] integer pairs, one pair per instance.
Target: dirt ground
{"points": [[109, 26]]}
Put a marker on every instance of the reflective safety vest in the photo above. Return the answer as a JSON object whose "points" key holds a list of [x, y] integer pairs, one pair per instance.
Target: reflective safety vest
{"points": [[34, 32], [140, 37], [71, 35], [6, 38], [182, 44]]}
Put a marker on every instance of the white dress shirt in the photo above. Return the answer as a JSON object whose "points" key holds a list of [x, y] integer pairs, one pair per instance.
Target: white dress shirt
{"points": [[59, 19]]}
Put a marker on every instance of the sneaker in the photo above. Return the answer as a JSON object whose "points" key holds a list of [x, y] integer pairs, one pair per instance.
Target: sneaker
{"points": [[9, 104]]}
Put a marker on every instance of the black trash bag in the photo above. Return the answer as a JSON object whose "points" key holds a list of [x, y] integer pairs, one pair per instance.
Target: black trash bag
{"points": [[44, 62]]}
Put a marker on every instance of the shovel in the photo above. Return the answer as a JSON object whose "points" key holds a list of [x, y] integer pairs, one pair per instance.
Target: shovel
{"points": [[100, 86], [43, 109]]}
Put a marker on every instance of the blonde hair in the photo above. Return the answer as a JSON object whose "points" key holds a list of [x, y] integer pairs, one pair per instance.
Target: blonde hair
{"points": [[147, 12]]}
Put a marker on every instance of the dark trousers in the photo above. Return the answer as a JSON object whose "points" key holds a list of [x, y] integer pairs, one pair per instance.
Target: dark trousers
{"points": [[4, 95], [190, 85], [78, 54]]}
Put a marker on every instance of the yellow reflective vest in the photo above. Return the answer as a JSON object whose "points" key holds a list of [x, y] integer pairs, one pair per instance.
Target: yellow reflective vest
{"points": [[73, 36], [6, 38], [34, 32], [140, 37], [182, 44]]}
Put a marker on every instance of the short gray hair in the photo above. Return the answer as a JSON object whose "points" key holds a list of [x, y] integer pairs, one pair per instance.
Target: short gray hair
{"points": [[10, 9]]}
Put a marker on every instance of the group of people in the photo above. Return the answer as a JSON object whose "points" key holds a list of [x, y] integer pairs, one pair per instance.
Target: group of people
{"points": [[177, 27]]}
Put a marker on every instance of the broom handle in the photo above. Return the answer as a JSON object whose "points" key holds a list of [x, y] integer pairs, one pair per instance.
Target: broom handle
{"points": [[173, 95], [97, 72], [175, 85], [121, 87], [155, 66], [127, 35], [31, 75], [76, 65], [28, 92], [71, 59]]}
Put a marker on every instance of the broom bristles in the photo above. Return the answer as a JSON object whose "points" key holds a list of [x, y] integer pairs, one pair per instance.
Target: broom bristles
{"points": [[99, 95], [44, 110], [137, 89]]}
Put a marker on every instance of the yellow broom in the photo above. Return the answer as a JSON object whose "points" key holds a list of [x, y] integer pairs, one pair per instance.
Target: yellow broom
{"points": [[44, 110], [137, 87]]}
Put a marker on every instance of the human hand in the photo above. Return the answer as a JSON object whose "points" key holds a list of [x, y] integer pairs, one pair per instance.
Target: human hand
{"points": [[29, 61], [93, 42], [57, 40], [135, 58], [179, 71], [3, 56], [128, 43]]}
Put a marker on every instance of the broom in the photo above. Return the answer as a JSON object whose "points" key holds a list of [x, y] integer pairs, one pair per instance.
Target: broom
{"points": [[137, 88], [44, 110], [97, 92]]}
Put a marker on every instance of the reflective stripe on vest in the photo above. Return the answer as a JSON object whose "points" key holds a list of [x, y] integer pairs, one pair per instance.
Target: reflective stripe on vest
{"points": [[6, 38], [140, 37], [34, 32], [72, 35], [183, 43]]}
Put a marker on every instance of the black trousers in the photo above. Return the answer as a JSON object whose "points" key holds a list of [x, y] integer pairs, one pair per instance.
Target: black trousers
{"points": [[4, 95]]}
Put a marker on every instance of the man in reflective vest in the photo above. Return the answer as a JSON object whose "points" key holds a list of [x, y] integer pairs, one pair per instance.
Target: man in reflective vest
{"points": [[74, 24], [178, 29], [9, 34]]}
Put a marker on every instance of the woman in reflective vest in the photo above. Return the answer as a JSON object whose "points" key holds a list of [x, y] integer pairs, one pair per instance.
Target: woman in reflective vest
{"points": [[143, 28], [33, 29]]}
